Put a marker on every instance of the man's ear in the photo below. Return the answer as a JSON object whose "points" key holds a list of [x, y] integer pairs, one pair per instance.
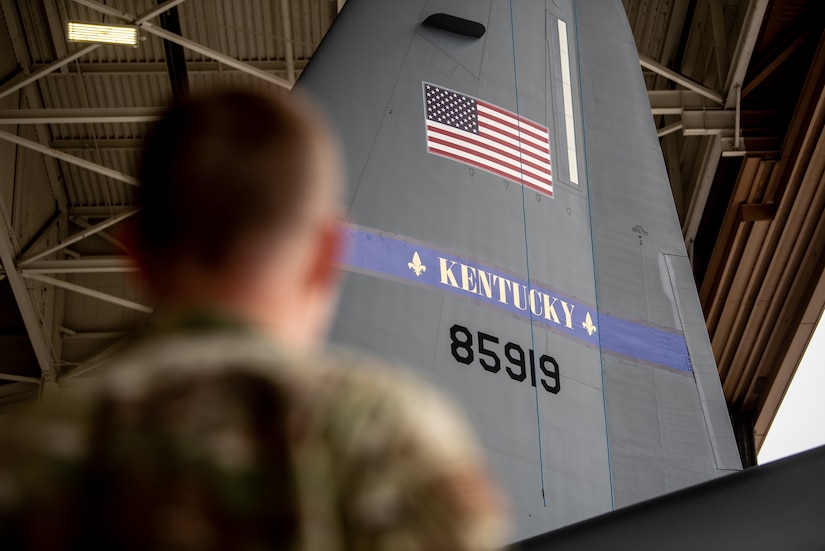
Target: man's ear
{"points": [[329, 250]]}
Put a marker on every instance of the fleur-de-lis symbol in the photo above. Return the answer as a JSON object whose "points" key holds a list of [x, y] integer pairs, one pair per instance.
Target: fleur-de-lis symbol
{"points": [[588, 326], [416, 265]]}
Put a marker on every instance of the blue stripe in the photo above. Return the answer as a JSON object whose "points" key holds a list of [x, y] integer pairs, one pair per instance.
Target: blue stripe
{"points": [[385, 255]]}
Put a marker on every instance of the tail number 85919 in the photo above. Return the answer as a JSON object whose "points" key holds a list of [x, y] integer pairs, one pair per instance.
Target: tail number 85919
{"points": [[461, 346]]}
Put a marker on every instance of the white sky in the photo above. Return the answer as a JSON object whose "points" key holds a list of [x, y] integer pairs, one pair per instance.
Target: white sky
{"points": [[800, 422]]}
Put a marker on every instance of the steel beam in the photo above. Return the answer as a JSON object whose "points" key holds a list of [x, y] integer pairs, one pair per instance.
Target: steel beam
{"points": [[677, 14], [286, 29], [78, 237], [671, 153], [92, 363], [101, 234], [34, 101], [19, 379], [25, 304], [701, 189], [89, 292], [56, 22], [678, 78], [699, 116], [737, 119], [174, 54], [79, 116], [53, 66], [674, 102], [108, 10], [114, 264], [82, 144], [49, 307], [83, 163], [142, 21], [91, 335], [82, 51], [42, 233], [704, 123], [720, 39], [217, 56], [744, 49], [669, 129], [98, 212], [154, 12], [159, 67], [126, 16]]}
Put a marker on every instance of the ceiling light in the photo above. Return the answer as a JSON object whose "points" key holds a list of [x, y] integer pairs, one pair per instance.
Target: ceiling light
{"points": [[102, 34]]}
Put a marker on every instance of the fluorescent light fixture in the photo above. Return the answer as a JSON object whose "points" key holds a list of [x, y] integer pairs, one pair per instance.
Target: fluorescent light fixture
{"points": [[99, 33]]}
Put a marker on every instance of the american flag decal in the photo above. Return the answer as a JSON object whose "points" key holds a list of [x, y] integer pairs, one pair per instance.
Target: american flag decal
{"points": [[488, 137]]}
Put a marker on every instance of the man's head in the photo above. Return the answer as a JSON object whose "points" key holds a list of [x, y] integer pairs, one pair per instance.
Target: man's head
{"points": [[239, 212]]}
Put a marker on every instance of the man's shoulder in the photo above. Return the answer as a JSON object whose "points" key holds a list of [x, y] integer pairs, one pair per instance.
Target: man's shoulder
{"points": [[351, 429], [203, 355], [405, 449], [337, 383], [337, 394]]}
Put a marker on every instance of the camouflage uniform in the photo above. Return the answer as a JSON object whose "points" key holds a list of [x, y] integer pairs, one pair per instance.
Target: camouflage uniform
{"points": [[205, 436]]}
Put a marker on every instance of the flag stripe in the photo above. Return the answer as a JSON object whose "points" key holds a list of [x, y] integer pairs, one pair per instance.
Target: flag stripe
{"points": [[543, 188], [542, 130], [513, 166], [492, 146], [512, 139], [513, 125], [503, 170], [495, 142], [454, 138], [486, 136]]}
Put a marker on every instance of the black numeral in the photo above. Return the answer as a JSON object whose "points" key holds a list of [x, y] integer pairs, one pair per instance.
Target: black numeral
{"points": [[461, 346], [553, 373], [466, 345], [517, 361], [491, 367]]}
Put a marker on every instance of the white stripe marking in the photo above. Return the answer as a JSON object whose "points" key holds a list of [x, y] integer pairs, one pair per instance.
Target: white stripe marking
{"points": [[538, 157], [481, 163], [567, 92], [511, 128]]}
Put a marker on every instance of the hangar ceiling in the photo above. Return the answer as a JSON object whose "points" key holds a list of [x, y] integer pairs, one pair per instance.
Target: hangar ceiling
{"points": [[736, 90], [72, 121]]}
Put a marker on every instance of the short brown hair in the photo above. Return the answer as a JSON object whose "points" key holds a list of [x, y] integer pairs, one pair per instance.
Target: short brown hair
{"points": [[218, 168]]}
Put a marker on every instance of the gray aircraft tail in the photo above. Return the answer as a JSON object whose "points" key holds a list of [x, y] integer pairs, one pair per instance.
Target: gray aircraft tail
{"points": [[514, 240]]}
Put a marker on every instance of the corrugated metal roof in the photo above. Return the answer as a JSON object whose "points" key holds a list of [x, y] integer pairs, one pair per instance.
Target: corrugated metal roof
{"points": [[110, 77]]}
